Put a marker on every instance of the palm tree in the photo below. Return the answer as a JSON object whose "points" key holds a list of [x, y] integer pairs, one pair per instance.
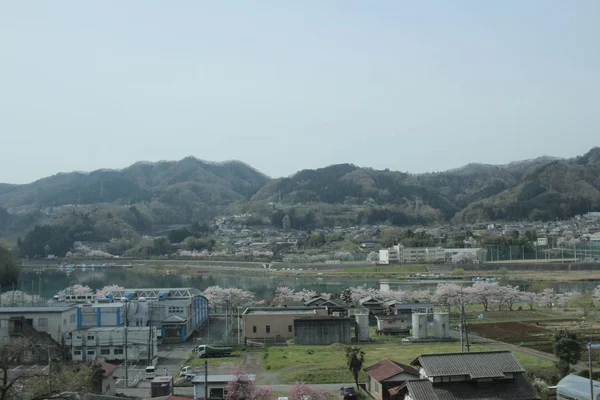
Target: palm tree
{"points": [[355, 357]]}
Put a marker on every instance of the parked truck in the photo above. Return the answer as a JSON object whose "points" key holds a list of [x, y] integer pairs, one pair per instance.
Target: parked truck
{"points": [[206, 351]]}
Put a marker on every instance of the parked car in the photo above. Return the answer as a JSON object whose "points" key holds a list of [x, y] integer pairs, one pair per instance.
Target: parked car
{"points": [[348, 393]]}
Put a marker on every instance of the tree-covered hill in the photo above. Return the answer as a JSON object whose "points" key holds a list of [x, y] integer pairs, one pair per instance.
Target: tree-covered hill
{"points": [[147, 198]]}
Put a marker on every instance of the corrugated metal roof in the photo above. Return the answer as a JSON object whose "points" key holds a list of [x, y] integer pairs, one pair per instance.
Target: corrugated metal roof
{"points": [[484, 364], [508, 389]]}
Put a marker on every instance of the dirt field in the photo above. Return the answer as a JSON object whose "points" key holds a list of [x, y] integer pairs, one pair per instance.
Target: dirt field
{"points": [[538, 335]]}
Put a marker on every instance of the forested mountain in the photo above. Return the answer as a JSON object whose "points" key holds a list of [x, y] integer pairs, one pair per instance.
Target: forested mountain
{"points": [[141, 198], [150, 198]]}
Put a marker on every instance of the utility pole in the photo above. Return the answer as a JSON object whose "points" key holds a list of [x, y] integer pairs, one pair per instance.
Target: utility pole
{"points": [[150, 332], [205, 379], [462, 345], [126, 360]]}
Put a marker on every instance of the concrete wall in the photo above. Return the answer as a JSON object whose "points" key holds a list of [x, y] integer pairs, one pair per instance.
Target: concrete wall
{"points": [[322, 331]]}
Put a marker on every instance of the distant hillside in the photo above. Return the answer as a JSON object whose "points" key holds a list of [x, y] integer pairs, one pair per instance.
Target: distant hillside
{"points": [[149, 198], [475, 192], [165, 193]]}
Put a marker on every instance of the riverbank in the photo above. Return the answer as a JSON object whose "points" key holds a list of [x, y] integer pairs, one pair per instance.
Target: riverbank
{"points": [[527, 272]]}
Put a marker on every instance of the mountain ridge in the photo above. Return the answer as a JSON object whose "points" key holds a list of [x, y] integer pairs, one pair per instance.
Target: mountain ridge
{"points": [[146, 196]]}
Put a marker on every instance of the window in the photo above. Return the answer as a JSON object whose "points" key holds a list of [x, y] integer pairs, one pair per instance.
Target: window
{"points": [[254, 329], [64, 321], [42, 322], [91, 337], [72, 318], [175, 310], [91, 352], [290, 328], [77, 352], [268, 328], [3, 323], [104, 352], [118, 351]]}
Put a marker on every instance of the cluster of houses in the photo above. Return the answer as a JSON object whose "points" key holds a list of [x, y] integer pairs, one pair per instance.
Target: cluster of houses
{"points": [[322, 321]]}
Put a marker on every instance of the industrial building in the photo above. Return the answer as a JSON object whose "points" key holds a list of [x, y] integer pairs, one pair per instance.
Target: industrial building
{"points": [[177, 312], [109, 343], [275, 323], [323, 330]]}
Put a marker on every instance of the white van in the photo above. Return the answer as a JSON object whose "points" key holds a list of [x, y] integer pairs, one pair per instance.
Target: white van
{"points": [[150, 372]]}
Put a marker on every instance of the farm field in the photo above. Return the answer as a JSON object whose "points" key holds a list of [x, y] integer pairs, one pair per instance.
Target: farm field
{"points": [[327, 364]]}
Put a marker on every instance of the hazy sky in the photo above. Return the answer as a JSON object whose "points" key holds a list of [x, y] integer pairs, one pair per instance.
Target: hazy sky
{"points": [[286, 85]]}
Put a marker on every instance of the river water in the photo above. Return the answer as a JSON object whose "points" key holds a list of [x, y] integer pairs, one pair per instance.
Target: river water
{"points": [[51, 281]]}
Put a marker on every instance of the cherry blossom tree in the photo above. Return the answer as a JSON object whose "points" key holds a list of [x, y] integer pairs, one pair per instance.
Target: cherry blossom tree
{"points": [[232, 298], [305, 295], [360, 292], [102, 293], [530, 298], [547, 298], [14, 298], [301, 391], [464, 258], [507, 296], [420, 296], [81, 290], [485, 293], [283, 294], [447, 295], [597, 293], [398, 296], [241, 387]]}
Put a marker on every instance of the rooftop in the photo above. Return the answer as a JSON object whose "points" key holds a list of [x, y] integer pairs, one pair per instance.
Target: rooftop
{"points": [[50, 309], [484, 364], [282, 310], [509, 389], [387, 368], [153, 293]]}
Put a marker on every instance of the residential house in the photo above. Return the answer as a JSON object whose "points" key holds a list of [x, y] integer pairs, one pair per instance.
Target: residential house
{"points": [[387, 375], [409, 309], [373, 305], [489, 375], [109, 384], [275, 323], [333, 307]]}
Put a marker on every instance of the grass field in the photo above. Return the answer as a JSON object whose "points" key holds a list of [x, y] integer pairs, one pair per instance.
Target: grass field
{"points": [[327, 364]]}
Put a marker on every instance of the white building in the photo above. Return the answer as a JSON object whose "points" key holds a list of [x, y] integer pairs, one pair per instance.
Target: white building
{"points": [[595, 238], [542, 241], [108, 343], [388, 256], [217, 385], [25, 321]]}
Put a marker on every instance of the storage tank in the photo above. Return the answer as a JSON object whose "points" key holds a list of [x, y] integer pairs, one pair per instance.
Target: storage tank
{"points": [[441, 324], [362, 322], [419, 326]]}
